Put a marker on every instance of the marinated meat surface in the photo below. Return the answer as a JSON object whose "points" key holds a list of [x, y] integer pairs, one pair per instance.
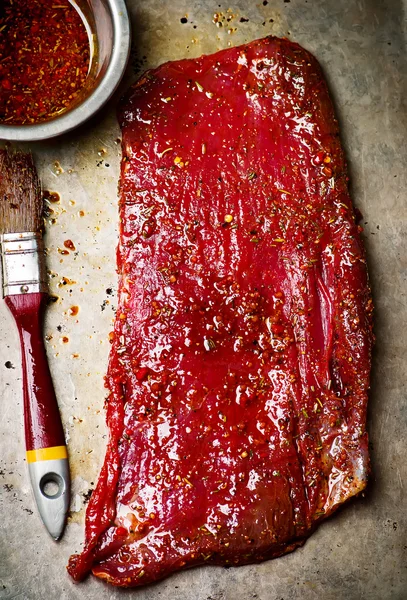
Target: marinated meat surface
{"points": [[239, 368]]}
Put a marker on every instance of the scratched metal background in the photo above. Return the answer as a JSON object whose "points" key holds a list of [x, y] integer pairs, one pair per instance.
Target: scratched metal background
{"points": [[361, 552]]}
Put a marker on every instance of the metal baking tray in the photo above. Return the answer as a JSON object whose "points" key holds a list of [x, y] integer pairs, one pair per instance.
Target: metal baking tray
{"points": [[360, 552]]}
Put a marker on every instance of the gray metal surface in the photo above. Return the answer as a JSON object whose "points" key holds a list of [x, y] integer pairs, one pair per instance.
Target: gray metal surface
{"points": [[361, 552]]}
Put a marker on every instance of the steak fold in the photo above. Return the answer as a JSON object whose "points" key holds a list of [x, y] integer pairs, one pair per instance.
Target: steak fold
{"points": [[239, 368]]}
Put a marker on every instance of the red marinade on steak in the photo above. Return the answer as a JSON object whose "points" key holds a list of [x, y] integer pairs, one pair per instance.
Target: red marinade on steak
{"points": [[239, 369]]}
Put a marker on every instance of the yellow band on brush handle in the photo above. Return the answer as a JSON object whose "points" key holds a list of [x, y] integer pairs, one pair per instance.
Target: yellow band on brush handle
{"points": [[53, 453]]}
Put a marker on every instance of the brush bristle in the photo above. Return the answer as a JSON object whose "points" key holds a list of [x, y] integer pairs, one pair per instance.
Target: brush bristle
{"points": [[21, 203]]}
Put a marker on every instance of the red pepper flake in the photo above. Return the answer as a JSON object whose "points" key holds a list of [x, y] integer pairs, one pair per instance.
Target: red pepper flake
{"points": [[6, 84], [44, 50], [69, 244], [319, 158], [121, 531], [142, 373], [51, 196]]}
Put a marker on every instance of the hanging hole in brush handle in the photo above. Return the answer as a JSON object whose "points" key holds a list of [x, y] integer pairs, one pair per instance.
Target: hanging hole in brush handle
{"points": [[51, 486]]}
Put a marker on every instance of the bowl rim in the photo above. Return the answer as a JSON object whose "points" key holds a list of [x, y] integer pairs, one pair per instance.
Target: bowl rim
{"points": [[98, 97]]}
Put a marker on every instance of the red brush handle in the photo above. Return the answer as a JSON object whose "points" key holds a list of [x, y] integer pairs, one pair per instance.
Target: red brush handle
{"points": [[43, 427]]}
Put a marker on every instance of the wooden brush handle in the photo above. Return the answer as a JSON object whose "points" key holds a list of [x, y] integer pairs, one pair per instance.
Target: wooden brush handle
{"points": [[43, 427], [46, 454]]}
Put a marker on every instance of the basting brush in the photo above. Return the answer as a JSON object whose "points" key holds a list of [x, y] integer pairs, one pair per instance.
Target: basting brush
{"points": [[25, 293]]}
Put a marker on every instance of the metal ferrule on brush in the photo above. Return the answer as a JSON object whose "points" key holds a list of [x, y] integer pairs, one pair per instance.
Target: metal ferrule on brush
{"points": [[23, 263]]}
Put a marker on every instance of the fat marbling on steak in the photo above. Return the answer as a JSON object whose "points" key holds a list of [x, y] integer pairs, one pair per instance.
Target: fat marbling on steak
{"points": [[239, 369]]}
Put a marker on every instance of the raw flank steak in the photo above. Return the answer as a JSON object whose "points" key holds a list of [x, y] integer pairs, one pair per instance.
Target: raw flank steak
{"points": [[239, 368]]}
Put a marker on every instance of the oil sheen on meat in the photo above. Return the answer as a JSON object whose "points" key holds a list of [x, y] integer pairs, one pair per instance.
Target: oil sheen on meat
{"points": [[239, 368]]}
